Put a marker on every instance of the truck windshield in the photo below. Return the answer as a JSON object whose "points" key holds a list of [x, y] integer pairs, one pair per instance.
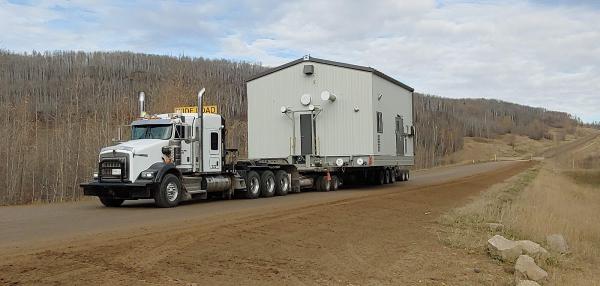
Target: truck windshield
{"points": [[151, 132]]}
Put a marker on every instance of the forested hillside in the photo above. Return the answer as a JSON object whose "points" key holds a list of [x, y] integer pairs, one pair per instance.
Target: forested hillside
{"points": [[58, 109], [442, 123]]}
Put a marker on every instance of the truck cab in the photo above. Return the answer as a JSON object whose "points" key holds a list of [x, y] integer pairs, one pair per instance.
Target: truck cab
{"points": [[135, 169]]}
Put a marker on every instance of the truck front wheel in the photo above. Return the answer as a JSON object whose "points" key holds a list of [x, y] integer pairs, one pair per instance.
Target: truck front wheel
{"points": [[110, 202], [169, 192]]}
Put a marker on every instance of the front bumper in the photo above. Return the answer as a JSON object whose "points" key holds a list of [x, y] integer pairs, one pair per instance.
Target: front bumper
{"points": [[120, 190]]}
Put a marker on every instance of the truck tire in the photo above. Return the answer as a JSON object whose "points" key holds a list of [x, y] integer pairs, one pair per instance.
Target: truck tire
{"points": [[392, 176], [169, 192], [110, 202], [407, 175], [267, 184], [323, 185], [335, 183], [387, 178], [380, 177], [252, 185], [282, 183]]}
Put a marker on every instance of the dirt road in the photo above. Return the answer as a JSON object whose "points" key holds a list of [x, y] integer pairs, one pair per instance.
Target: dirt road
{"points": [[365, 236]]}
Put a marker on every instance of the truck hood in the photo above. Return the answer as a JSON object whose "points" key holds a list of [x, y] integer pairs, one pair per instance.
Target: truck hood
{"points": [[138, 147]]}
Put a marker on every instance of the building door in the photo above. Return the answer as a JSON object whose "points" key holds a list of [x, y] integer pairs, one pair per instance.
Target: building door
{"points": [[306, 134], [399, 136]]}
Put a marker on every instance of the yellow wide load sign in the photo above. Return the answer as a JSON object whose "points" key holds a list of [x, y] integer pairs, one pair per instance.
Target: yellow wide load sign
{"points": [[194, 109]]}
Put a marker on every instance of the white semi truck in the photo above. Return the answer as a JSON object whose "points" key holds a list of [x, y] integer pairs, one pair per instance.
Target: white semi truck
{"points": [[175, 157]]}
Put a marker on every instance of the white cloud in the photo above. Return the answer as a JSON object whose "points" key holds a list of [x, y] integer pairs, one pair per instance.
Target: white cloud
{"points": [[538, 54], [541, 55]]}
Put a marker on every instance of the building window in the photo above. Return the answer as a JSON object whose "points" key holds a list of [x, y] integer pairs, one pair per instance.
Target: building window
{"points": [[214, 141], [379, 122]]}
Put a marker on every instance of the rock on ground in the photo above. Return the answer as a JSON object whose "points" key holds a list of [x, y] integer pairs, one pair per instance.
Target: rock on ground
{"points": [[503, 249], [526, 269], [533, 249], [528, 283], [557, 243]]}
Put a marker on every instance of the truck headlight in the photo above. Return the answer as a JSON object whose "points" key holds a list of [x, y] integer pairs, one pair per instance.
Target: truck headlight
{"points": [[147, 174], [95, 175]]}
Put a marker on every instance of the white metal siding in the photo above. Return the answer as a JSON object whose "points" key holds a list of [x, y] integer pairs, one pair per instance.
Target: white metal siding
{"points": [[395, 101], [339, 129]]}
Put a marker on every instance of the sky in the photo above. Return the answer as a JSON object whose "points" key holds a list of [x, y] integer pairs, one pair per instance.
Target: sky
{"points": [[538, 53]]}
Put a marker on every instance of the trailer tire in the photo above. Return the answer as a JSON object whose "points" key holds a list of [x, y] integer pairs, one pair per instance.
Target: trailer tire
{"points": [[169, 192], [323, 185], [335, 183], [267, 184], [110, 202], [407, 175], [282, 183], [392, 176], [387, 178], [252, 185], [380, 177]]}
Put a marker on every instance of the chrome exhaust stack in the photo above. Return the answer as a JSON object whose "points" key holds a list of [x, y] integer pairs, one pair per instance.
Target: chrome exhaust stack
{"points": [[142, 98], [199, 130]]}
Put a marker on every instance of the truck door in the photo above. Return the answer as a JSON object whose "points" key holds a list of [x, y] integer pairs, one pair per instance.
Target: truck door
{"points": [[183, 132], [399, 136], [214, 151], [306, 134]]}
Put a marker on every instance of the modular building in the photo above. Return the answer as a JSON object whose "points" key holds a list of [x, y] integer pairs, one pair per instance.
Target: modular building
{"points": [[315, 109]]}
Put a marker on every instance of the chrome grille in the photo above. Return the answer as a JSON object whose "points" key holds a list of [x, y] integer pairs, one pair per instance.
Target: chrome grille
{"points": [[113, 167]]}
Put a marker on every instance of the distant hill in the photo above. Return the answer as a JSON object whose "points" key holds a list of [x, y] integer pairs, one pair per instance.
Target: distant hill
{"points": [[442, 123], [57, 109]]}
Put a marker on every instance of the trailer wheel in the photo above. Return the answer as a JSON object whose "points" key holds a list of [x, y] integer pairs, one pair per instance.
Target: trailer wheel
{"points": [[323, 185], [407, 175], [335, 183], [110, 202], [267, 184], [380, 177], [392, 176], [282, 183], [252, 185], [387, 178], [169, 192]]}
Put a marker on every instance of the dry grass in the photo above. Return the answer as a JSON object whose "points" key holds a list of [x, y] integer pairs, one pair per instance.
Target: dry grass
{"points": [[532, 205], [551, 198], [465, 226], [483, 149], [555, 204]]}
